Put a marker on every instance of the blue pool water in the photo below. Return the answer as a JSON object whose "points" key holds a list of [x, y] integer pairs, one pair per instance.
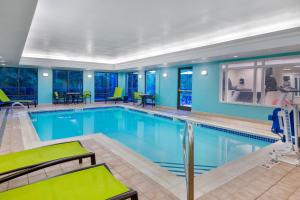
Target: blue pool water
{"points": [[156, 138]]}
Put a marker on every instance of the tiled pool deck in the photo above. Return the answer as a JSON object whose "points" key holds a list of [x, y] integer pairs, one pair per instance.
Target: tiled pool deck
{"points": [[279, 182]]}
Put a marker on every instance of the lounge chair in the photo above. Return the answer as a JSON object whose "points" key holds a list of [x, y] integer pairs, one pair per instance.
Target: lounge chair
{"points": [[57, 98], [136, 97], [90, 183], [87, 95], [5, 100], [13, 165], [118, 93]]}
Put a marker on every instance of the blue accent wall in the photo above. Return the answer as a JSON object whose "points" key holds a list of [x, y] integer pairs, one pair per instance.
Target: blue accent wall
{"points": [[89, 83], [44, 86], [168, 87]]}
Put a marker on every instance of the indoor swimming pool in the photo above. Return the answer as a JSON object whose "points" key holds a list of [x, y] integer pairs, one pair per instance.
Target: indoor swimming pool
{"points": [[156, 137]]}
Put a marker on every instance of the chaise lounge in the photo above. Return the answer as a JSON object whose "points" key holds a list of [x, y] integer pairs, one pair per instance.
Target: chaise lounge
{"points": [[5, 100], [90, 183], [118, 93], [17, 164]]}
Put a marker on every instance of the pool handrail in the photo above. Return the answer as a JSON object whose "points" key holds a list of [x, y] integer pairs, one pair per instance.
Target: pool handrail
{"points": [[189, 161]]}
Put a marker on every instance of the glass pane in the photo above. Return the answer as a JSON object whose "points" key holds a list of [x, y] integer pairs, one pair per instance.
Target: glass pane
{"points": [[278, 79], [186, 79], [28, 83], [186, 99], [9, 81], [19, 83], [131, 84], [105, 84], [185, 87], [60, 81], [240, 85], [150, 82], [112, 83], [100, 85], [75, 81]]}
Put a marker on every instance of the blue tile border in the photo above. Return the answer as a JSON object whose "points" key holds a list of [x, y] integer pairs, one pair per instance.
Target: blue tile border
{"points": [[139, 111], [68, 110], [240, 133], [163, 116], [50, 111]]}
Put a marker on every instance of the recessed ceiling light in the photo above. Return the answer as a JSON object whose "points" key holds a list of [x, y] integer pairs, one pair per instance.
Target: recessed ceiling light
{"points": [[3, 64], [235, 56], [297, 66], [287, 69]]}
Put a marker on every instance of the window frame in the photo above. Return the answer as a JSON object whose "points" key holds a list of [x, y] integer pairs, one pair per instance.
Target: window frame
{"points": [[68, 79], [178, 89], [107, 83], [145, 74], [130, 98], [257, 63], [18, 78]]}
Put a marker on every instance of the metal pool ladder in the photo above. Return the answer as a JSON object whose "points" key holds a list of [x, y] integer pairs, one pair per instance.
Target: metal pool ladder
{"points": [[188, 159]]}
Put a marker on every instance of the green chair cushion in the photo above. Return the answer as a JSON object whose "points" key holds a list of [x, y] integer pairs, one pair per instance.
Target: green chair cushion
{"points": [[87, 94], [3, 97], [39, 155], [113, 97], [95, 183], [118, 92], [137, 95]]}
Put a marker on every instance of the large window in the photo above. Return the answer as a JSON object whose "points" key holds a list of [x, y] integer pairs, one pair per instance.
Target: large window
{"points": [[261, 82], [105, 83], [131, 84], [185, 88], [67, 81], [150, 82], [19, 83]]}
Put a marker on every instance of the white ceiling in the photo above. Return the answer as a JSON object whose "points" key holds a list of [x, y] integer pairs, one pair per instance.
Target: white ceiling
{"points": [[123, 31], [15, 20]]}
